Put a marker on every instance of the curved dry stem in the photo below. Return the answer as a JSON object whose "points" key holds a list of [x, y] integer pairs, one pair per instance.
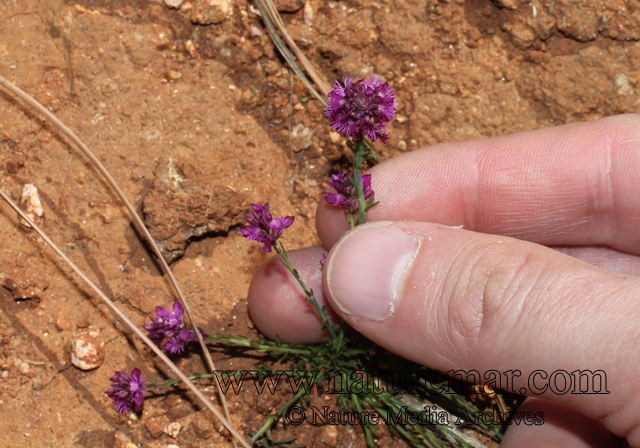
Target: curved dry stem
{"points": [[272, 13], [130, 324], [137, 222], [272, 20]]}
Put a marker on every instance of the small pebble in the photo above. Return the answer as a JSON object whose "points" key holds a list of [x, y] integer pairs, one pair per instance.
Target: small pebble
{"points": [[62, 323], [329, 436], [24, 368], [30, 203], [87, 349], [174, 74], [5, 374], [206, 12], [175, 4], [191, 48], [301, 137], [172, 430]]}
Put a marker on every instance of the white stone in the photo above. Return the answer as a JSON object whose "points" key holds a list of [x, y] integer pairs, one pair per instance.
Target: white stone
{"points": [[173, 3], [172, 429], [300, 137], [30, 202], [206, 12]]}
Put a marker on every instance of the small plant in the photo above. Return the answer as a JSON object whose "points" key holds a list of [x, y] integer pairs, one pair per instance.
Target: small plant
{"points": [[357, 110]]}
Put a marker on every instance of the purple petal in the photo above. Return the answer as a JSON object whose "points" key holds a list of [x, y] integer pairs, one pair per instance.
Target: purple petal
{"points": [[178, 311]]}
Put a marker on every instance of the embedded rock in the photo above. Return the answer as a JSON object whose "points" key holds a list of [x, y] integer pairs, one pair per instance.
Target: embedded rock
{"points": [[207, 12], [87, 349], [288, 5], [156, 425], [26, 284], [184, 203]]}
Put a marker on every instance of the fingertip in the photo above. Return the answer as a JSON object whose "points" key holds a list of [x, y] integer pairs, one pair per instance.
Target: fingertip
{"points": [[276, 301], [330, 224], [555, 425]]}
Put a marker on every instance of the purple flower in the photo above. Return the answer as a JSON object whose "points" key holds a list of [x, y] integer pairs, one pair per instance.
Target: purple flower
{"points": [[323, 259], [172, 327], [361, 107], [345, 195], [127, 392], [263, 228]]}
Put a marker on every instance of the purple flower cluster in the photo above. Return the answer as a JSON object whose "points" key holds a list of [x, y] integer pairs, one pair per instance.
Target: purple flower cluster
{"points": [[263, 228], [171, 326], [361, 107], [127, 392], [345, 191]]}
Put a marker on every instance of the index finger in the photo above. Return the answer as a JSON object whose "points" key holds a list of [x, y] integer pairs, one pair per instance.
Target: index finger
{"points": [[574, 184]]}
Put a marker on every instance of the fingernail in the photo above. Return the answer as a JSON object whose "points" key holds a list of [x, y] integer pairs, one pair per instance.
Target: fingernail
{"points": [[368, 269]]}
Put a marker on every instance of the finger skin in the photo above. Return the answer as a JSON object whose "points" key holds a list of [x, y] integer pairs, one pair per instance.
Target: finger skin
{"points": [[563, 427], [276, 305], [605, 258], [276, 301], [492, 303], [574, 184]]}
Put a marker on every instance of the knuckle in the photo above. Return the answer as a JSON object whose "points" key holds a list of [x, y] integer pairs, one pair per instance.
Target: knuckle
{"points": [[485, 292]]}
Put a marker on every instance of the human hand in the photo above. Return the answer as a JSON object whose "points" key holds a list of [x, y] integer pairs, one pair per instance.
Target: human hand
{"points": [[491, 296]]}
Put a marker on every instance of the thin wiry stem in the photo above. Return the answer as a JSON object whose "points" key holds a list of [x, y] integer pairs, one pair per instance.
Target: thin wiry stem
{"points": [[137, 222], [272, 20], [126, 320]]}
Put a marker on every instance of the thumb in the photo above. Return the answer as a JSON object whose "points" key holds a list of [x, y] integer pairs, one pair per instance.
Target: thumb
{"points": [[452, 299]]}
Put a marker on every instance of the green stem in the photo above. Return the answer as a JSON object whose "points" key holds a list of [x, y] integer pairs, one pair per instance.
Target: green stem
{"points": [[256, 345], [272, 419], [308, 292], [178, 381], [360, 152]]}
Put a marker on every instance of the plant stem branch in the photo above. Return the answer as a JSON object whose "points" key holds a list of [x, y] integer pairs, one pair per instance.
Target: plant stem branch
{"points": [[280, 250], [360, 151]]}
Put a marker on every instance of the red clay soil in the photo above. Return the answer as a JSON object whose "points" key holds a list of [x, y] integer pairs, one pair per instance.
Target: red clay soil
{"points": [[195, 122]]}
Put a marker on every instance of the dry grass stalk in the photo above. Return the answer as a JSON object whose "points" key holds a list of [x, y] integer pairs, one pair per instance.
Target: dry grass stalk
{"points": [[273, 22], [137, 222], [126, 320]]}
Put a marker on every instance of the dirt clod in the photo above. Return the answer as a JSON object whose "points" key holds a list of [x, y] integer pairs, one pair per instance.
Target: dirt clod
{"points": [[203, 426], [26, 284], [184, 203], [14, 164], [289, 5], [156, 425]]}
